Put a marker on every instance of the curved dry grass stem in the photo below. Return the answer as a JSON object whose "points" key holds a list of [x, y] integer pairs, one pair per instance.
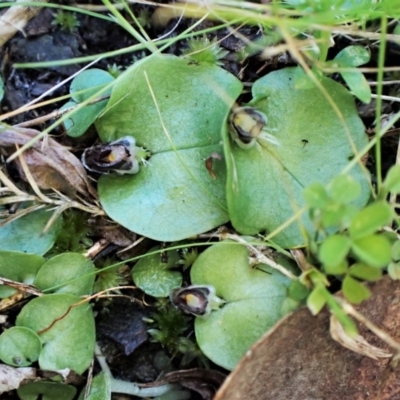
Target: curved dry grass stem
{"points": [[350, 310]]}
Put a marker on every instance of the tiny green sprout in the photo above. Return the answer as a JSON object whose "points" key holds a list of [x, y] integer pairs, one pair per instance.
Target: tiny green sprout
{"points": [[114, 70], [66, 20], [169, 325], [73, 235], [144, 18], [247, 127], [109, 277], [205, 50], [189, 257], [191, 351]]}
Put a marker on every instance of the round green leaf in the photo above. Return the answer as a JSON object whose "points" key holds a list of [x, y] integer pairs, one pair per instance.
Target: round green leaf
{"points": [[354, 291], [334, 249], [154, 277], [394, 271], [365, 272], [19, 267], [373, 250], [25, 233], [392, 181], [344, 189], [298, 291], [19, 346], [255, 301], [88, 83], [396, 250], [67, 331], [337, 269], [46, 391], [174, 196], [337, 215], [370, 219], [316, 300], [265, 183], [100, 388], [64, 268], [353, 56], [316, 195], [358, 85], [80, 120]]}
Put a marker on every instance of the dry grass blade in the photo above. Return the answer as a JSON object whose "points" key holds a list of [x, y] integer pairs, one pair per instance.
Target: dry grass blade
{"points": [[16, 199], [357, 344], [31, 180], [15, 19], [10, 185]]}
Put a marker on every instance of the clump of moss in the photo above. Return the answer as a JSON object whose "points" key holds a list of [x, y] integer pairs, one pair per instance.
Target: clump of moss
{"points": [[73, 234], [109, 277], [169, 327], [169, 323], [67, 21], [205, 50]]}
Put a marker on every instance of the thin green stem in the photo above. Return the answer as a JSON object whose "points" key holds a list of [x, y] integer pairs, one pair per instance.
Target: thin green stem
{"points": [[381, 65]]}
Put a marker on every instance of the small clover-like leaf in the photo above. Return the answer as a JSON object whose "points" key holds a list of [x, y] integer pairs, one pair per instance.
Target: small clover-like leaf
{"points": [[392, 181], [344, 188], [316, 300], [365, 272], [354, 291], [334, 250], [394, 271], [297, 290], [373, 250], [370, 219], [396, 250], [337, 269], [316, 195]]}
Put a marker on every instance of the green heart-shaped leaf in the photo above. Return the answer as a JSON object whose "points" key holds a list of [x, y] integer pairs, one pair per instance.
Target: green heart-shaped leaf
{"points": [[19, 267], [25, 233], [65, 328], [100, 388], [67, 267], [19, 346], [255, 301], [153, 275], [266, 182], [174, 108]]}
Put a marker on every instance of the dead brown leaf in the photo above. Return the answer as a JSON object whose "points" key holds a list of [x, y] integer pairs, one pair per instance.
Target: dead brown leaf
{"points": [[52, 165], [299, 360]]}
